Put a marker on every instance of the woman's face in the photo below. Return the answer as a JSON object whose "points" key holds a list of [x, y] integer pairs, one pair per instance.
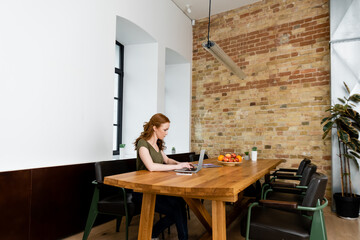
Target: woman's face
{"points": [[162, 131]]}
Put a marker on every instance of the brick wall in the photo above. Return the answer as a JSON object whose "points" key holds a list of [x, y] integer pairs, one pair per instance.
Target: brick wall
{"points": [[282, 46]]}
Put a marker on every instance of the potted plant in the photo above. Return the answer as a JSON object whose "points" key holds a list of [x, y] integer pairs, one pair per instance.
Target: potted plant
{"points": [[122, 150], [346, 120], [247, 157], [254, 154]]}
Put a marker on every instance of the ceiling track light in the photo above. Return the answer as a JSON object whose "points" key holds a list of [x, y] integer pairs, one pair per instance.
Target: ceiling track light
{"points": [[220, 55], [188, 8]]}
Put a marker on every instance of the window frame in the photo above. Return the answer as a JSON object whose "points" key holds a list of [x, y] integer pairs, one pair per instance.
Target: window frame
{"points": [[119, 99]]}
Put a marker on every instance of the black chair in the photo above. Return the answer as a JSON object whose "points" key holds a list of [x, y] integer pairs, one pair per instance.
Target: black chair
{"points": [[304, 180], [291, 171], [195, 157], [290, 191], [111, 200], [273, 220]]}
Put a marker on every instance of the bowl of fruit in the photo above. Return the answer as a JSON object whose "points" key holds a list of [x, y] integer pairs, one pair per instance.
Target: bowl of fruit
{"points": [[229, 159]]}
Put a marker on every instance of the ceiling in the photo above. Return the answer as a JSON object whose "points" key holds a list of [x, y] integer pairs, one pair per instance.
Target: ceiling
{"points": [[200, 8]]}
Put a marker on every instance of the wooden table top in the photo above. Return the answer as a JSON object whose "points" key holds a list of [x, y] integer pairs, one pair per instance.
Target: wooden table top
{"points": [[223, 183]]}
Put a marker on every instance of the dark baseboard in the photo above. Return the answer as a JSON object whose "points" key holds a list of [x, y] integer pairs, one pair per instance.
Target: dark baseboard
{"points": [[49, 203]]}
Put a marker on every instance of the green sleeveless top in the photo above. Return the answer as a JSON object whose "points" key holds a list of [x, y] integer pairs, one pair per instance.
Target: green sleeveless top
{"points": [[156, 156]]}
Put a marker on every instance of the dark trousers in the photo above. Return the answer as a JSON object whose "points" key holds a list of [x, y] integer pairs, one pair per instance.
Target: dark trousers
{"points": [[175, 213]]}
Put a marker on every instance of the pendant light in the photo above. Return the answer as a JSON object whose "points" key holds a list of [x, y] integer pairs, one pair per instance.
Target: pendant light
{"points": [[220, 55]]}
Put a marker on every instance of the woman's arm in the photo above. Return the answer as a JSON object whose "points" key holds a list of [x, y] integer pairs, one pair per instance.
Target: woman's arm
{"points": [[151, 166], [168, 160]]}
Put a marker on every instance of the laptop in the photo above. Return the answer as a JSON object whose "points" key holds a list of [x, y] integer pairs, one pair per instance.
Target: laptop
{"points": [[195, 169]]}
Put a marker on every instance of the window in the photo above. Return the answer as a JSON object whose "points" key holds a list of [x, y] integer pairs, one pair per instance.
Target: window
{"points": [[118, 96]]}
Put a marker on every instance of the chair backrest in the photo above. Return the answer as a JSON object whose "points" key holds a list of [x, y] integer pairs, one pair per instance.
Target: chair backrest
{"points": [[302, 166], [316, 190], [107, 168], [307, 174], [195, 157]]}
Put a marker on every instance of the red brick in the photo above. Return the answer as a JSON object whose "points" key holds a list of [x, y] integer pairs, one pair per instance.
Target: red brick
{"points": [[304, 43], [284, 74]]}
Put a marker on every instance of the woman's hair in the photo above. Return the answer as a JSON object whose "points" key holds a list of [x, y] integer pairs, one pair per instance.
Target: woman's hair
{"points": [[156, 120]]}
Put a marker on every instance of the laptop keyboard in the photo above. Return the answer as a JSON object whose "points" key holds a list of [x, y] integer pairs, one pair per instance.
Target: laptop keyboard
{"points": [[191, 169]]}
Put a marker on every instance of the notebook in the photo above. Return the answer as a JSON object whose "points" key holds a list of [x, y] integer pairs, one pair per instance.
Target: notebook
{"points": [[195, 169]]}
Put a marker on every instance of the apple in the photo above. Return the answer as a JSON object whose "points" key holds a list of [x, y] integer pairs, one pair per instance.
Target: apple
{"points": [[233, 155], [231, 160], [225, 159], [228, 155]]}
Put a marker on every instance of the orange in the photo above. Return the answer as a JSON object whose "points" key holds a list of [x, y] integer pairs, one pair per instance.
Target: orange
{"points": [[239, 157], [220, 157]]}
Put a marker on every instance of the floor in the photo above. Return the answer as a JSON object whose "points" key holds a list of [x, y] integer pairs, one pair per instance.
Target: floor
{"points": [[336, 227]]}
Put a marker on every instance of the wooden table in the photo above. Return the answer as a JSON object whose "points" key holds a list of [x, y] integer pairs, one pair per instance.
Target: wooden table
{"points": [[217, 184]]}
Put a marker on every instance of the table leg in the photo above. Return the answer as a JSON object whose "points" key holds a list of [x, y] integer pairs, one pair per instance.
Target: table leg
{"points": [[200, 212], [267, 178], [219, 220], [147, 216]]}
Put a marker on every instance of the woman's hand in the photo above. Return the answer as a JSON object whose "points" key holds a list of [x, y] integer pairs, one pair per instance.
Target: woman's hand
{"points": [[181, 165]]}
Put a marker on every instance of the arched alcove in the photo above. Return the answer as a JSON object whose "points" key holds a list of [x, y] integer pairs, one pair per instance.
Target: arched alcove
{"points": [[178, 100]]}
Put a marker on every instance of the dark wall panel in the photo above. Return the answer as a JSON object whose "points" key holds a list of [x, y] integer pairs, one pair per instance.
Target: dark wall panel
{"points": [[15, 190], [61, 200], [49, 203]]}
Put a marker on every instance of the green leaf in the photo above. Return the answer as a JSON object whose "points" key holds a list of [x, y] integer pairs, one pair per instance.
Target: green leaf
{"points": [[324, 120], [355, 98], [345, 125], [338, 107], [355, 154], [355, 125], [352, 145], [347, 88], [354, 115], [325, 134], [357, 143], [349, 156], [328, 126], [341, 100], [345, 121], [343, 136]]}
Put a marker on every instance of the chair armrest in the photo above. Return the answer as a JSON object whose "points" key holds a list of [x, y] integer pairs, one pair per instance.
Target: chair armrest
{"points": [[288, 190], [278, 204], [287, 170], [289, 177], [319, 206], [283, 184], [284, 171]]}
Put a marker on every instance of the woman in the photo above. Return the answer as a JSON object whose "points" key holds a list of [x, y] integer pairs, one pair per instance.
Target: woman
{"points": [[150, 156]]}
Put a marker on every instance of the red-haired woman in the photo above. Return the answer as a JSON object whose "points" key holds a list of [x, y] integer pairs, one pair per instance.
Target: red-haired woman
{"points": [[150, 156]]}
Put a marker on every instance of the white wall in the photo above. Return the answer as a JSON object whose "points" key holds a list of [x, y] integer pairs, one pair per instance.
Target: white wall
{"points": [[140, 90], [162, 20], [56, 66], [345, 50], [177, 104], [57, 70]]}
